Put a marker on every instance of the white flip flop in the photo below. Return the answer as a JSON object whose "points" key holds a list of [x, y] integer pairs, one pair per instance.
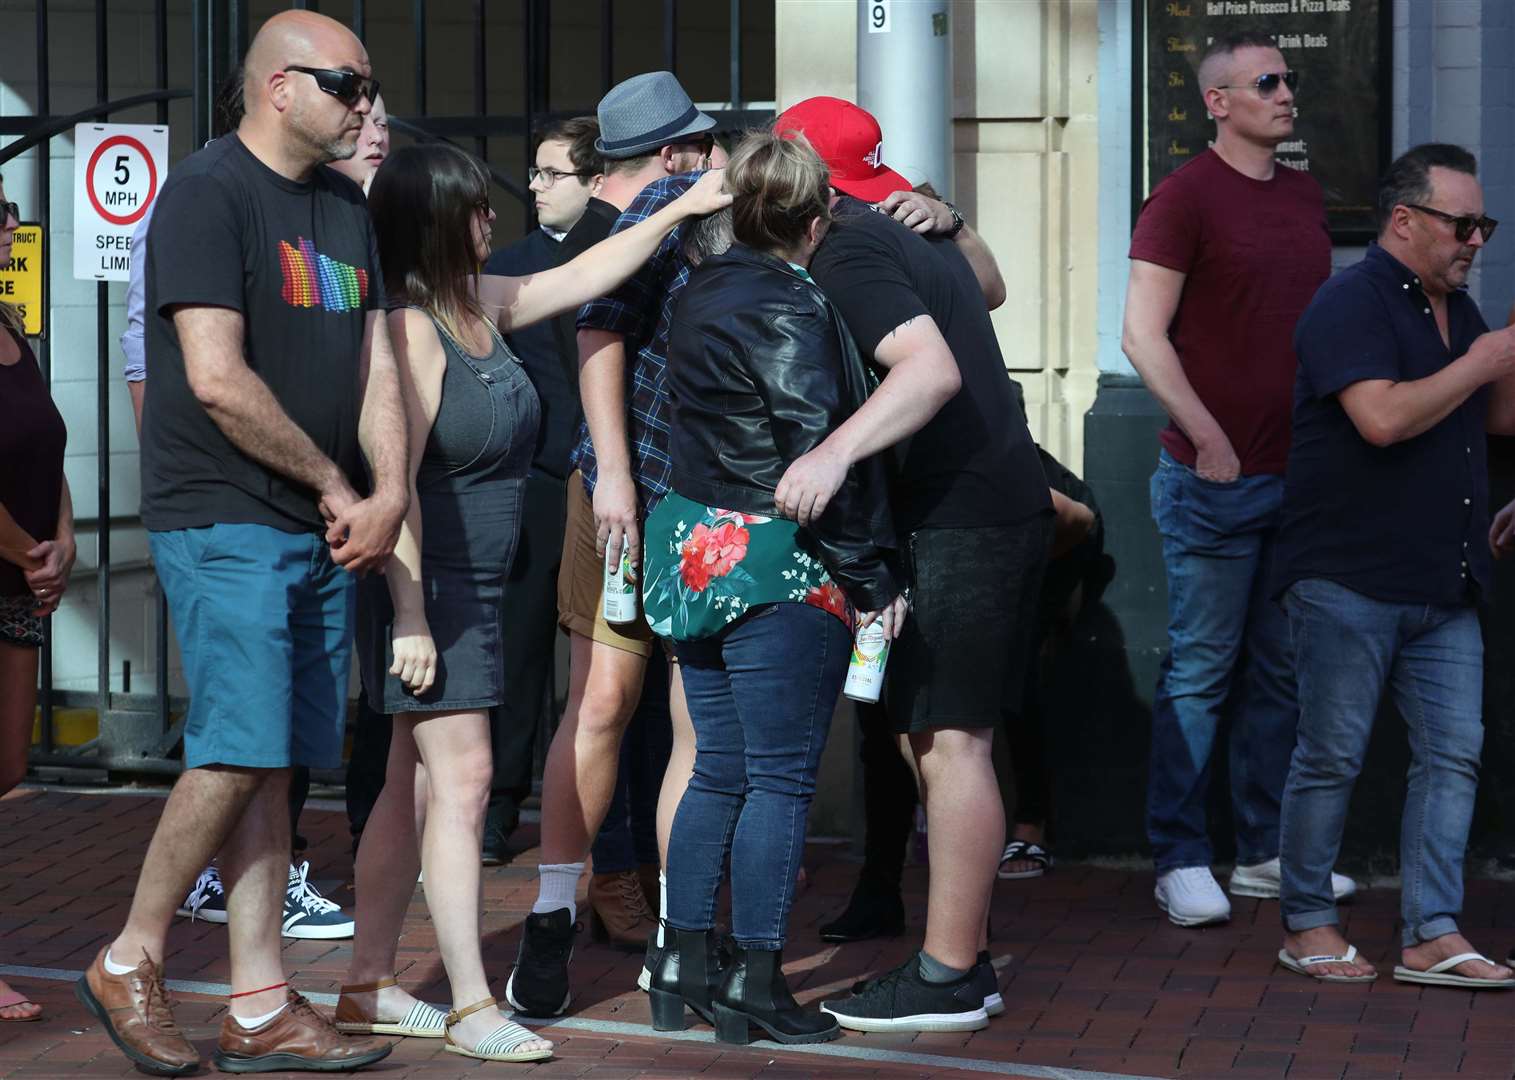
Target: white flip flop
{"points": [[1440, 974], [1299, 966]]}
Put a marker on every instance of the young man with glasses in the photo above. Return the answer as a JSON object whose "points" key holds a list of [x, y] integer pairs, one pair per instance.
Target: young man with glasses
{"points": [[272, 380], [1383, 556], [1226, 254], [654, 142], [567, 175]]}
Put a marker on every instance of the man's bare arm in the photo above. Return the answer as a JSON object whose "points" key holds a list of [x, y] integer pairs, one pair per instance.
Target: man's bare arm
{"points": [[363, 533], [382, 425], [602, 388], [1151, 299], [922, 377], [242, 405], [137, 389]]}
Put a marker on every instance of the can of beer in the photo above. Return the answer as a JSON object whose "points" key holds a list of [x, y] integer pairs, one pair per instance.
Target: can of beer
{"points": [[865, 673], [620, 591]]}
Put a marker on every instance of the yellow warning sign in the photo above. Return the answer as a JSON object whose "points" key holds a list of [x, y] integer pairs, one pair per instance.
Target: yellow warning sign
{"points": [[21, 278]]}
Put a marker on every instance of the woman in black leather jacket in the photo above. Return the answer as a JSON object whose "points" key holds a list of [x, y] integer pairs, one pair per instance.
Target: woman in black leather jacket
{"points": [[760, 611]]}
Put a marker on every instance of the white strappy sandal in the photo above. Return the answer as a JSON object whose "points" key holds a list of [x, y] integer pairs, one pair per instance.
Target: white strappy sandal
{"points": [[499, 1045]]}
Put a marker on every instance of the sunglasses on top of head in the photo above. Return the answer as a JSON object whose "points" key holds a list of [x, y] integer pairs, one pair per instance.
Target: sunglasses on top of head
{"points": [[1267, 85], [346, 86]]}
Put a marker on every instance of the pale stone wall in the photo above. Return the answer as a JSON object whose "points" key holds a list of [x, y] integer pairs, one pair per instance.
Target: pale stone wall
{"points": [[1025, 110]]}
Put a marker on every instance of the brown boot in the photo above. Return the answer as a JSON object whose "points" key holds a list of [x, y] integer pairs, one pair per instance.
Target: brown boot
{"points": [[137, 1014], [298, 1038], [618, 911], [647, 873]]}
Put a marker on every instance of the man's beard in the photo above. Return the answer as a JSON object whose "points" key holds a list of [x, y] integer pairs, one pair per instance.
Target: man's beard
{"points": [[328, 149]]}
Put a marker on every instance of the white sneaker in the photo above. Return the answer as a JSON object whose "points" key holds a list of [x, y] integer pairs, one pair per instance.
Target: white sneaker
{"points": [[1262, 881], [1191, 897]]}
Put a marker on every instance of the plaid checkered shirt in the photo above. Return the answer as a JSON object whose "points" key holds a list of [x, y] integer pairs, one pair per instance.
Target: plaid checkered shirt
{"points": [[641, 311]]}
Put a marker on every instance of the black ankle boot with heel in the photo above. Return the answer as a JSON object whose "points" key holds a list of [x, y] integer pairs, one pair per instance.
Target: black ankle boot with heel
{"points": [[688, 972], [754, 992]]}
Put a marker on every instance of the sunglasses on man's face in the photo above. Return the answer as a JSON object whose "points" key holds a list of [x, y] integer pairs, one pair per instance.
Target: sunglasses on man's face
{"points": [[9, 210], [1462, 227], [1267, 85], [346, 86]]}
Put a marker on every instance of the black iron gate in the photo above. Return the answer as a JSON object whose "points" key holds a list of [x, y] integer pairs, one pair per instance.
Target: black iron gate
{"points": [[136, 731]]}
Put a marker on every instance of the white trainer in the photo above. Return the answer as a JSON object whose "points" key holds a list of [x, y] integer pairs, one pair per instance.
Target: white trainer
{"points": [[1262, 881], [1191, 897]]}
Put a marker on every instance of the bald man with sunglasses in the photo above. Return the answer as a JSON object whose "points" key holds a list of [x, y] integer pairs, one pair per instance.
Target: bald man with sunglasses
{"points": [[272, 379], [1225, 255]]}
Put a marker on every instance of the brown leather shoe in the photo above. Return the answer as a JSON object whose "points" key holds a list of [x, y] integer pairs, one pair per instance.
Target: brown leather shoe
{"points": [[647, 873], [300, 1038], [137, 1014], [618, 911]]}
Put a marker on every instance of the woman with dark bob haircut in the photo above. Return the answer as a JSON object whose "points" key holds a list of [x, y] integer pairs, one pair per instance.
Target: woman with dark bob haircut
{"points": [[428, 630], [760, 610]]}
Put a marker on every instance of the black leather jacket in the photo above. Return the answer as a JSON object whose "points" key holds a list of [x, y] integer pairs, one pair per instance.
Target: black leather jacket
{"points": [[761, 369]]}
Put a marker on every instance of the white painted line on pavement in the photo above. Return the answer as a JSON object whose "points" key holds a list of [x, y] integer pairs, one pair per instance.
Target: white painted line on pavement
{"points": [[850, 1050]]}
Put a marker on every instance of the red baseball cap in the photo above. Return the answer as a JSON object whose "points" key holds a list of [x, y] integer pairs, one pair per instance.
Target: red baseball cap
{"points": [[849, 139]]}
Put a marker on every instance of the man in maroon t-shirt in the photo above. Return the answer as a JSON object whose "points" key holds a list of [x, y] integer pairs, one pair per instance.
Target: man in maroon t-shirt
{"points": [[1227, 252]]}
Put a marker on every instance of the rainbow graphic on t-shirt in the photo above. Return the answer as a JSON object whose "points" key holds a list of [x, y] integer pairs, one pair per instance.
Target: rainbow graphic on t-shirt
{"points": [[315, 280]]}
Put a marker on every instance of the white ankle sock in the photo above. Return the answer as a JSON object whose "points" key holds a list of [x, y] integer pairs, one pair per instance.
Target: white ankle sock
{"points": [[250, 1022], [662, 904], [559, 887], [114, 968]]}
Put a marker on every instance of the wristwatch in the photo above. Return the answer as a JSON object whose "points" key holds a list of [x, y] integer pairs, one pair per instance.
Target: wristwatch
{"points": [[958, 221]]}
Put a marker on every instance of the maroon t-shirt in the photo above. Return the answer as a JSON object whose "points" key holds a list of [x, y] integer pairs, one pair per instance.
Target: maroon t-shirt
{"points": [[32, 439], [1254, 252]]}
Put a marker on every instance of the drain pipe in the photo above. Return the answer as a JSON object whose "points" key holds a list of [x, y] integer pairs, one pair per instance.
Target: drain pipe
{"points": [[904, 78]]}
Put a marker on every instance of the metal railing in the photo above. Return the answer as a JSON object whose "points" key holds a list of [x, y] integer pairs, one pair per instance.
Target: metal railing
{"points": [[137, 732]]}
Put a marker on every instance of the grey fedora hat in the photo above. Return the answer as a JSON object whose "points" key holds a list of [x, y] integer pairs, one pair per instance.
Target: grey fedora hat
{"points": [[646, 112]]}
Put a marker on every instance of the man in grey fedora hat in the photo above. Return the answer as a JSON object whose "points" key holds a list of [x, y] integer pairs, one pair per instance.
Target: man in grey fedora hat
{"points": [[655, 142]]}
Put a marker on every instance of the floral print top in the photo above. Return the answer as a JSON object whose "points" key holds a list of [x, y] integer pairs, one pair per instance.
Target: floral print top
{"points": [[704, 567]]}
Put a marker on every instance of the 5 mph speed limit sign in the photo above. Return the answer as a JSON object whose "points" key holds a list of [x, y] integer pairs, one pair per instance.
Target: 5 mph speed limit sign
{"points": [[118, 171]]}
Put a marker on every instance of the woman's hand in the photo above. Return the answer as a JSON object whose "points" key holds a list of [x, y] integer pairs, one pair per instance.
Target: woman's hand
{"points": [[893, 614], [49, 581], [706, 196], [415, 655]]}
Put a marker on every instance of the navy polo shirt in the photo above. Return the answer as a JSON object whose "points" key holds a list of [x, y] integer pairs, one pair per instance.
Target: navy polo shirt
{"points": [[1407, 523]]}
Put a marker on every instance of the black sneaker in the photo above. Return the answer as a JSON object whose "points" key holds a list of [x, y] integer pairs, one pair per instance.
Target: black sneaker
{"points": [[903, 1001], [207, 900], [539, 984], [498, 825], [652, 957], [872, 912], [994, 1004]]}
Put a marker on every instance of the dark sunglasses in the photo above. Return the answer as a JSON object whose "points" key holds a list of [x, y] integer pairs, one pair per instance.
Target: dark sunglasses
{"points": [[10, 210], [483, 207], [346, 86], [1462, 227], [1267, 85]]}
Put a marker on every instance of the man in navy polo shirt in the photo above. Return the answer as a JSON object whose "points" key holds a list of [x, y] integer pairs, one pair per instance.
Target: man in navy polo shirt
{"points": [[1383, 559]]}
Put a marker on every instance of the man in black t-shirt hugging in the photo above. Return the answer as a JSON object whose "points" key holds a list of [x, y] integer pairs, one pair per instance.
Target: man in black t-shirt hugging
{"points": [[272, 372], [972, 502]]}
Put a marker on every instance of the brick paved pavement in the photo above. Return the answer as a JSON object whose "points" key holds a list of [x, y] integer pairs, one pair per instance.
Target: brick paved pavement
{"points": [[1097, 983]]}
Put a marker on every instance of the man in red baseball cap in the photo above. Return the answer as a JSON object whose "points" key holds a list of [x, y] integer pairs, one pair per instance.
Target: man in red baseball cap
{"points": [[852, 144], [972, 502]]}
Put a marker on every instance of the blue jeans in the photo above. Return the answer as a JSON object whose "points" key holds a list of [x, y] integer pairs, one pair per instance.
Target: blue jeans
{"points": [[628, 837], [761, 694], [1228, 657], [1430, 657]]}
